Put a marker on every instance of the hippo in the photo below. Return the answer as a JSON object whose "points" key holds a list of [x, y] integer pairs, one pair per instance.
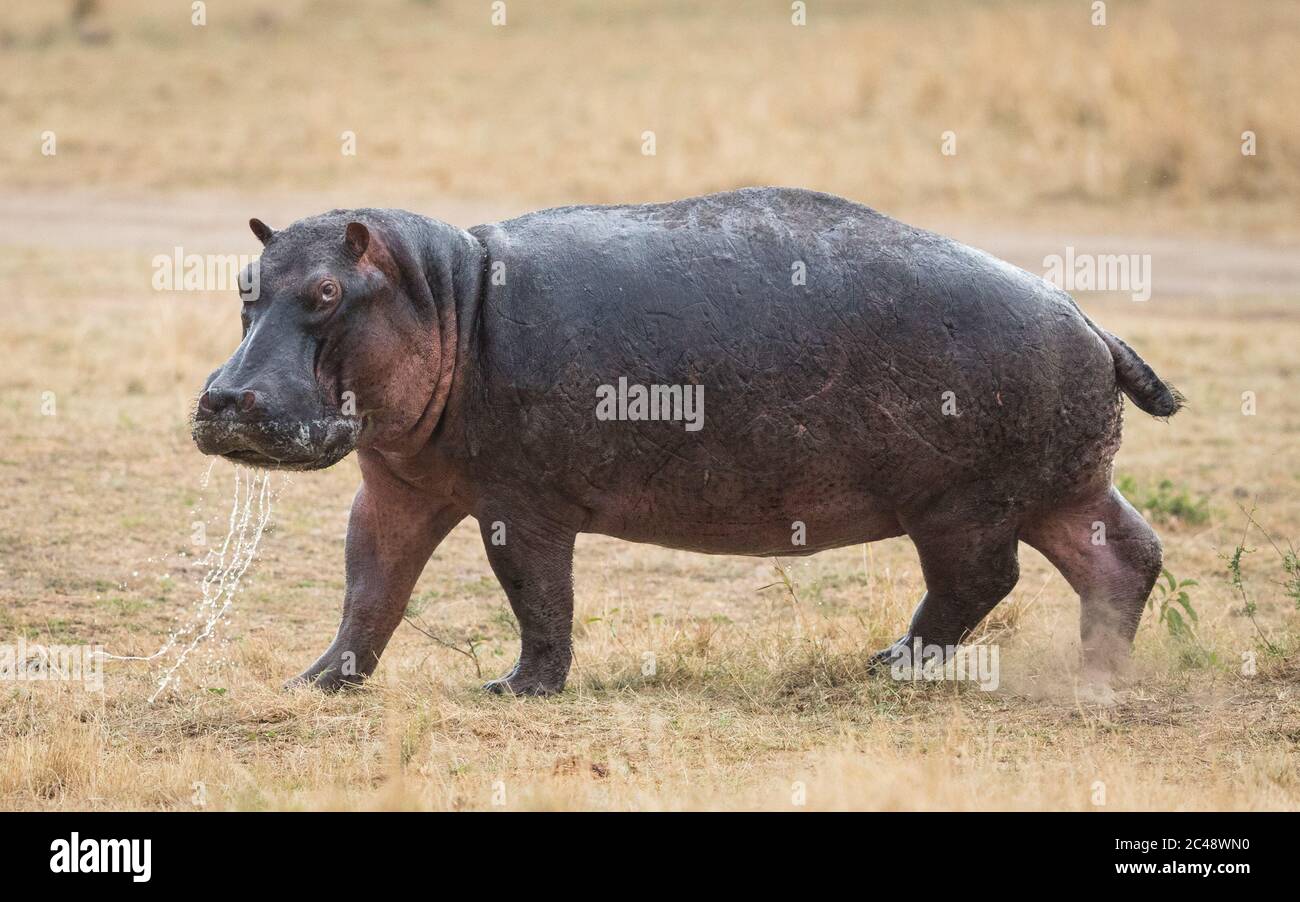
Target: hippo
{"points": [[766, 371]]}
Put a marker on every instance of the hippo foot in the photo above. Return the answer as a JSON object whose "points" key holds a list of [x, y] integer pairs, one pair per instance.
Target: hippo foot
{"points": [[1096, 685], [1096, 691], [328, 681], [898, 659], [897, 655], [879, 662], [525, 682]]}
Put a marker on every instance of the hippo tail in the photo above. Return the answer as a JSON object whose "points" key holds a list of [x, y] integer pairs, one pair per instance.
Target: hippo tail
{"points": [[1137, 380]]}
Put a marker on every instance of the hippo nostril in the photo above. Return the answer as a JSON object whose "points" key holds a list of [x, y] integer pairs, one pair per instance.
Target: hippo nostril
{"points": [[216, 399], [247, 401]]}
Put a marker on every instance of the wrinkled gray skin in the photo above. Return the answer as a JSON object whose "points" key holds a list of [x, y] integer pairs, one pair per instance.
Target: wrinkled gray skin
{"points": [[475, 358]]}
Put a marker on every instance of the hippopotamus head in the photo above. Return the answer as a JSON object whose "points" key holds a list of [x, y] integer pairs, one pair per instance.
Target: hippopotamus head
{"points": [[340, 346]]}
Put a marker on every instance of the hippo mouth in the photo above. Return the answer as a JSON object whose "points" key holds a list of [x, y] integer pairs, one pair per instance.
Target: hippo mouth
{"points": [[303, 445]]}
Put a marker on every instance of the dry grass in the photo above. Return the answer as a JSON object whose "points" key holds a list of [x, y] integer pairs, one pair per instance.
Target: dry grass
{"points": [[1144, 113], [754, 691]]}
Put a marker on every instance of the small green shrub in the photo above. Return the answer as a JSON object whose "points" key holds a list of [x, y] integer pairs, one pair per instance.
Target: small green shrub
{"points": [[1168, 598], [1165, 503]]}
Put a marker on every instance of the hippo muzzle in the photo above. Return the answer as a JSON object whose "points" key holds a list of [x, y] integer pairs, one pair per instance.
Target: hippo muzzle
{"points": [[301, 445], [247, 426], [266, 407]]}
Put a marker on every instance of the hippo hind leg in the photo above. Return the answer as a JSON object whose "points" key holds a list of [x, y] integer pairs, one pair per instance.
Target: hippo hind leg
{"points": [[967, 569], [1109, 555]]}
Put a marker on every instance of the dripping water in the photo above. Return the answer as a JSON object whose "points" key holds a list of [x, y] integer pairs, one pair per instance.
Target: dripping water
{"points": [[224, 566]]}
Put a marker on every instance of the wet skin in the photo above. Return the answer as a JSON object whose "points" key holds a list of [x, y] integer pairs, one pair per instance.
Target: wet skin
{"points": [[861, 379]]}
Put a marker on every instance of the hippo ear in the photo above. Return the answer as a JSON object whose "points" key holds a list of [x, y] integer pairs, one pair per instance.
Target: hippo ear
{"points": [[357, 238], [263, 231]]}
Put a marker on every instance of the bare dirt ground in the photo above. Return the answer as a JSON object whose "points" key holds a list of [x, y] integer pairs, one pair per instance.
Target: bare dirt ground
{"points": [[216, 222]]}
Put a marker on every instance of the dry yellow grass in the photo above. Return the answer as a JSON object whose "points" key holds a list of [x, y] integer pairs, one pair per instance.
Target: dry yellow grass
{"points": [[1145, 112], [757, 694]]}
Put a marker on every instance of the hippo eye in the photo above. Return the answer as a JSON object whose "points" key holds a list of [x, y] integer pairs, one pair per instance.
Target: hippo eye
{"points": [[328, 291]]}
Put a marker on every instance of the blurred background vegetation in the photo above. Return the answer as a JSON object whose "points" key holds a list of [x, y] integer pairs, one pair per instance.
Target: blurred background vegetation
{"points": [[1141, 117]]}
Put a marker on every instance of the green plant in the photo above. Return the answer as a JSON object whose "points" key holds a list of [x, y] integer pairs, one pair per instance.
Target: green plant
{"points": [[1290, 581], [1165, 503], [1291, 585], [1173, 602], [1171, 596]]}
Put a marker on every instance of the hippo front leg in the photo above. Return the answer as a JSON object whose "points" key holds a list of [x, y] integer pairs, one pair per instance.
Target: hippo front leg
{"points": [[391, 535], [534, 564]]}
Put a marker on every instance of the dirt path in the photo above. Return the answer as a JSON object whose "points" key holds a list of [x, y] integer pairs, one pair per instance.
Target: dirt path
{"points": [[214, 222]]}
